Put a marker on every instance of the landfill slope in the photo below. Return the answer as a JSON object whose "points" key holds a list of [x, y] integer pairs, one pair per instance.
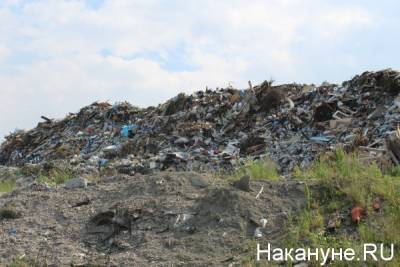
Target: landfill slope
{"points": [[210, 129], [118, 185]]}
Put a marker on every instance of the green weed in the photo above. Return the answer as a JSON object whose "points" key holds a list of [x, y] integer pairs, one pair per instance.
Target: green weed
{"points": [[57, 175], [335, 185], [259, 169], [23, 261], [7, 185]]}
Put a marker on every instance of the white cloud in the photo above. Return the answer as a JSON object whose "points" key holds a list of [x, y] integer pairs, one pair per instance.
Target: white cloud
{"points": [[338, 21], [50, 60], [4, 52]]}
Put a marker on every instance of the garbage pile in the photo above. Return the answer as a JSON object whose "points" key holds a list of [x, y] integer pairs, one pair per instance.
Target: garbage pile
{"points": [[215, 129]]}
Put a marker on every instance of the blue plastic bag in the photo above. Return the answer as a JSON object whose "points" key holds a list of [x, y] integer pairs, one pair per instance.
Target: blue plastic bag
{"points": [[128, 128]]}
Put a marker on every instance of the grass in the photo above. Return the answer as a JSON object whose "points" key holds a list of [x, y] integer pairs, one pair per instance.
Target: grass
{"points": [[54, 174], [258, 169], [7, 185], [7, 179], [334, 185], [23, 261], [346, 178], [57, 175], [30, 170]]}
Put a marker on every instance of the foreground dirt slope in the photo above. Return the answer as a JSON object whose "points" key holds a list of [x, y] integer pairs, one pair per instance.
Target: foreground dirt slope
{"points": [[162, 219]]}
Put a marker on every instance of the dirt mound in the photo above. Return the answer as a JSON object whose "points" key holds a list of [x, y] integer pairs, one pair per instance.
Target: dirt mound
{"points": [[230, 208], [164, 219]]}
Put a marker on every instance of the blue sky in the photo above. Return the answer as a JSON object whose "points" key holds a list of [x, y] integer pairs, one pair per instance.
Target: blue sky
{"points": [[57, 56]]}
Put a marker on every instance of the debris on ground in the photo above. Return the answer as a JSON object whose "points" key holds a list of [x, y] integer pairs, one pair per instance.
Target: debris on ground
{"points": [[356, 214], [118, 185], [211, 129]]}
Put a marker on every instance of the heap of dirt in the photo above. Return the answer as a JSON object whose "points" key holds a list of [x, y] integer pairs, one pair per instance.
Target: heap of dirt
{"points": [[165, 219]]}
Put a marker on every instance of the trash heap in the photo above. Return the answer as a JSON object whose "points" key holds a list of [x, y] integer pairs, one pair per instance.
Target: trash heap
{"points": [[215, 129]]}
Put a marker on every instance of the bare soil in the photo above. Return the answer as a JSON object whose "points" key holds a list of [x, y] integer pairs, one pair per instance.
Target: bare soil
{"points": [[160, 219]]}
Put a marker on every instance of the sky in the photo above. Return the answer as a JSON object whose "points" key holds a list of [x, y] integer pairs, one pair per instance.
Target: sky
{"points": [[57, 56]]}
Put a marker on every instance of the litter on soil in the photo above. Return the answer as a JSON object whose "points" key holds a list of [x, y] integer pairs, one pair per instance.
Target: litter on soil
{"points": [[118, 185], [209, 130]]}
